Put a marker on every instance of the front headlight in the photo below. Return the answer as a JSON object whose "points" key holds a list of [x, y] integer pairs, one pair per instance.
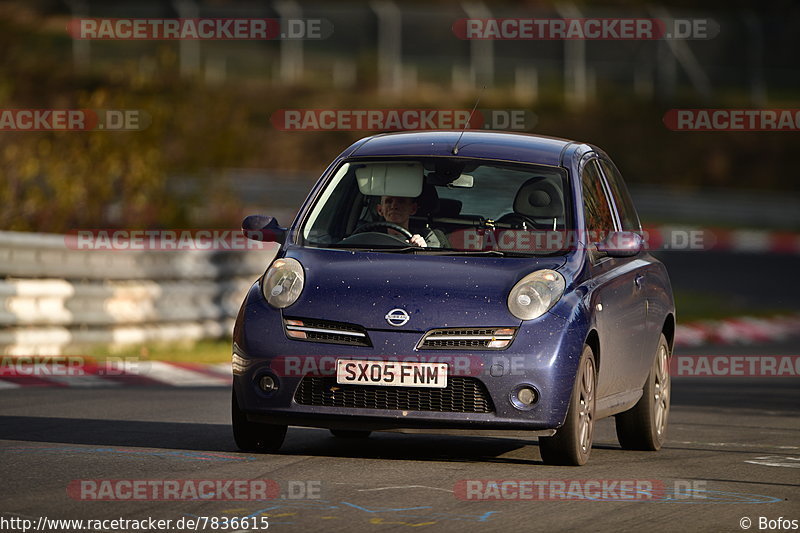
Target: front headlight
{"points": [[283, 282], [535, 294]]}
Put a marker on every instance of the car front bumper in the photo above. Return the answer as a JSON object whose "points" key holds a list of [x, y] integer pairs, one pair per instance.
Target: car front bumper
{"points": [[544, 355]]}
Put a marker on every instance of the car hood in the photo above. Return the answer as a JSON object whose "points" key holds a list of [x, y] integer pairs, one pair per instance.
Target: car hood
{"points": [[436, 291]]}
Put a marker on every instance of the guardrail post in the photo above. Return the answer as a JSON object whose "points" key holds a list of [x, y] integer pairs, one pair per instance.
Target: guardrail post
{"points": [[189, 48], [291, 66], [576, 79], [81, 52], [481, 50], [390, 46]]}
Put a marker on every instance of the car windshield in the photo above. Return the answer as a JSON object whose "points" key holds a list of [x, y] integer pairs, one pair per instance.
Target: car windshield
{"points": [[441, 205]]}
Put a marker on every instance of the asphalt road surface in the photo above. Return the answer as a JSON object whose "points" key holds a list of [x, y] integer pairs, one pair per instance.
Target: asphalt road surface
{"points": [[733, 453]]}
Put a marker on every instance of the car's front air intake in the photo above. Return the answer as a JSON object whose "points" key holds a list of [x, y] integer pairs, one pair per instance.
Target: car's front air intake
{"points": [[315, 330], [467, 338], [462, 395]]}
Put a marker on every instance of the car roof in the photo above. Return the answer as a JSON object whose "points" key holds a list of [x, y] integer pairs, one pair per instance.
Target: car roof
{"points": [[481, 144]]}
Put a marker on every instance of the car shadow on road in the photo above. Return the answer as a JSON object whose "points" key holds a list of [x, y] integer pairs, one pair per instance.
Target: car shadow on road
{"points": [[217, 438], [413, 447]]}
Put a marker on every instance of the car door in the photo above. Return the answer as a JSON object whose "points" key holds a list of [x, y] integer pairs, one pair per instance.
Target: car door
{"points": [[616, 299], [647, 288]]}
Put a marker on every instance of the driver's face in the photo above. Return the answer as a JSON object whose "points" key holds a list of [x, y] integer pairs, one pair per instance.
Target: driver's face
{"points": [[397, 209]]}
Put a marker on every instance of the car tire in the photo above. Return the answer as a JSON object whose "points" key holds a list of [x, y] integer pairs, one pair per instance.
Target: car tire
{"points": [[644, 427], [255, 437], [572, 443], [350, 434]]}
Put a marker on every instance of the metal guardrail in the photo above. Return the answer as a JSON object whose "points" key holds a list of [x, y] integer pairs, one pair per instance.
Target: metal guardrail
{"points": [[54, 299], [390, 32], [753, 208]]}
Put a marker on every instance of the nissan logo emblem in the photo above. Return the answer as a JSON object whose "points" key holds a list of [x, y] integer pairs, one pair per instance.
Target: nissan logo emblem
{"points": [[396, 317]]}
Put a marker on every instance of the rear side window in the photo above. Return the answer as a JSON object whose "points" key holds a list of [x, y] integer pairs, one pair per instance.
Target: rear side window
{"points": [[595, 202], [628, 217]]}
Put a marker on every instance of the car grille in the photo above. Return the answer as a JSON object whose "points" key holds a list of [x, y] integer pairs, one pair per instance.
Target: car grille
{"points": [[315, 330], [474, 338], [462, 395]]}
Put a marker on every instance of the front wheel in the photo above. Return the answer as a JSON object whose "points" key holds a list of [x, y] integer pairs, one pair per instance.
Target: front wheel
{"points": [[255, 437], [572, 443], [644, 426]]}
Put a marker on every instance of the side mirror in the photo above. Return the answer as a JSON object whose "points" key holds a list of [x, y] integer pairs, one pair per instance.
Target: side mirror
{"points": [[263, 228], [621, 244]]}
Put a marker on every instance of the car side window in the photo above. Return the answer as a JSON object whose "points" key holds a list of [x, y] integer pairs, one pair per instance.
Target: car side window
{"points": [[628, 217], [596, 207]]}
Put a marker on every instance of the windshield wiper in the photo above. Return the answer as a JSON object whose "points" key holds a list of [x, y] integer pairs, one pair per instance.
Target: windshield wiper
{"points": [[360, 248], [478, 253], [432, 251], [451, 251]]}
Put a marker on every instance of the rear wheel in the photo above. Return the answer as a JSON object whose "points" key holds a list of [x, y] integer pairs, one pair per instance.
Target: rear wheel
{"points": [[350, 434], [644, 427], [255, 437], [572, 443]]}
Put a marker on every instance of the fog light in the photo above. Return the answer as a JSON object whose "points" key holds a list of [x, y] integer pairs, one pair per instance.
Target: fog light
{"points": [[267, 384], [526, 396]]}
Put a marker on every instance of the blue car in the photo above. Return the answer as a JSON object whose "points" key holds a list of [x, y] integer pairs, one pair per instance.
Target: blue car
{"points": [[446, 281]]}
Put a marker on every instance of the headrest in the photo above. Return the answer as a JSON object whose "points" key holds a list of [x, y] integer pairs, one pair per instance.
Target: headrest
{"points": [[428, 201], [539, 198], [449, 207]]}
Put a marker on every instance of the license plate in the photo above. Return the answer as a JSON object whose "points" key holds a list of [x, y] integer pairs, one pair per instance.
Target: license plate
{"points": [[391, 373]]}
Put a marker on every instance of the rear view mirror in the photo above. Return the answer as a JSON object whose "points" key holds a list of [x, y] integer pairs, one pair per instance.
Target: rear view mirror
{"points": [[464, 181], [621, 244], [263, 228]]}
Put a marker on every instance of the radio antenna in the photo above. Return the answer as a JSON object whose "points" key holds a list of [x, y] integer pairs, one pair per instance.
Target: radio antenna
{"points": [[455, 146]]}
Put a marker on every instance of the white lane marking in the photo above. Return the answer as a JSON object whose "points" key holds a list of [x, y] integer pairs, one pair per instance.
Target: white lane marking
{"points": [[84, 381], [750, 240], [8, 384], [776, 460], [221, 368], [181, 377], [735, 444], [405, 487]]}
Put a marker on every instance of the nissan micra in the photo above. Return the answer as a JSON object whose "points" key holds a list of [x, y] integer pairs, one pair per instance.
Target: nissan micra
{"points": [[458, 281]]}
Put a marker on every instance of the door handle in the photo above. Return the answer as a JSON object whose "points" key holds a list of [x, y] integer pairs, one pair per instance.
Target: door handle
{"points": [[638, 280]]}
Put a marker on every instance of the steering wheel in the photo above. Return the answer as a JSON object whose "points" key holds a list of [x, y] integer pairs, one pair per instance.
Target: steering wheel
{"points": [[383, 224], [515, 219]]}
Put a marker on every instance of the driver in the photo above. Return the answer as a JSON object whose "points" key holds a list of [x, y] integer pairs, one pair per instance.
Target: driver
{"points": [[398, 209]]}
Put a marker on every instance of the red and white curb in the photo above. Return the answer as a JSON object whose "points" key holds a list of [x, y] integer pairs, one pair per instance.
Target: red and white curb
{"points": [[679, 237], [740, 330], [147, 373]]}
